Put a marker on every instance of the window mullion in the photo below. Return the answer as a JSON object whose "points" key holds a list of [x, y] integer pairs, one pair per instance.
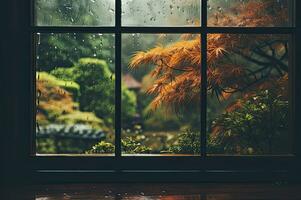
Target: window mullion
{"points": [[118, 78], [203, 99]]}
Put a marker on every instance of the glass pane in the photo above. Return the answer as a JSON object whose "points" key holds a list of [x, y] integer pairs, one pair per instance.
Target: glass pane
{"points": [[160, 12], [75, 93], [75, 13], [250, 13], [248, 94], [160, 94]]}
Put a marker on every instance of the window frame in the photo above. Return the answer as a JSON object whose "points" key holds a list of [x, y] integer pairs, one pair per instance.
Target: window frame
{"points": [[193, 164]]}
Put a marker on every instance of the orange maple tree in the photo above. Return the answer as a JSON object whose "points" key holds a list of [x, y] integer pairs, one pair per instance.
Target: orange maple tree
{"points": [[235, 62]]}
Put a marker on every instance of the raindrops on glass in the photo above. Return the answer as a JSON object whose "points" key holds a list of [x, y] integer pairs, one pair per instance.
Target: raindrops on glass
{"points": [[219, 10], [58, 97], [160, 13], [75, 13]]}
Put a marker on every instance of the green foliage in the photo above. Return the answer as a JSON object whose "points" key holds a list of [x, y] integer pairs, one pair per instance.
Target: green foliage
{"points": [[66, 74], [258, 126], [65, 49], [93, 65], [57, 105], [52, 145], [46, 145], [131, 146], [129, 105], [187, 143], [97, 87], [102, 147], [53, 81], [52, 99]]}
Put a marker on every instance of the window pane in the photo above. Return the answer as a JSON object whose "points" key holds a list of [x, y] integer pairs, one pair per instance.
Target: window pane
{"points": [[75, 93], [160, 12], [75, 13], [250, 13], [160, 94], [248, 94]]}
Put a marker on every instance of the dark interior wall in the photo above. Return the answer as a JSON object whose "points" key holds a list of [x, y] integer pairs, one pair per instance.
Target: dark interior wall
{"points": [[15, 87]]}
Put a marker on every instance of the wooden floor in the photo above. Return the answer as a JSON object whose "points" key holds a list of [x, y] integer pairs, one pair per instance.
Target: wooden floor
{"points": [[152, 191]]}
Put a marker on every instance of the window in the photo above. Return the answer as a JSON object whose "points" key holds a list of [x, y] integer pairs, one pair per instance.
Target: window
{"points": [[179, 82]]}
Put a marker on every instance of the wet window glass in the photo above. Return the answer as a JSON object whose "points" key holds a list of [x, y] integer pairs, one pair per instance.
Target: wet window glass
{"points": [[75, 13], [160, 113], [160, 12], [249, 13], [248, 94], [248, 78], [75, 85]]}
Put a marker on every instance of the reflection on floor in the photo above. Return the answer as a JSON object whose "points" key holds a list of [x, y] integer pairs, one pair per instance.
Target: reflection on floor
{"points": [[158, 192]]}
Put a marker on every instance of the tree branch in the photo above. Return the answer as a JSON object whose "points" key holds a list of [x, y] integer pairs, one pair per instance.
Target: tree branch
{"points": [[261, 53]]}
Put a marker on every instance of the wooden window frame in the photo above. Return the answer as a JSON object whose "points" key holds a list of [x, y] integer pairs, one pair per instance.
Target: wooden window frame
{"points": [[197, 168]]}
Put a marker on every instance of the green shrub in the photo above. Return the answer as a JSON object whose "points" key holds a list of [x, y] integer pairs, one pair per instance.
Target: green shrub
{"points": [[54, 97], [56, 103], [97, 89], [258, 126], [97, 86], [63, 73], [54, 81], [129, 146], [129, 105], [187, 143], [102, 147]]}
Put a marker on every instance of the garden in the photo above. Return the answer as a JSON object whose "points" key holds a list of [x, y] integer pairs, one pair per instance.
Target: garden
{"points": [[247, 82]]}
